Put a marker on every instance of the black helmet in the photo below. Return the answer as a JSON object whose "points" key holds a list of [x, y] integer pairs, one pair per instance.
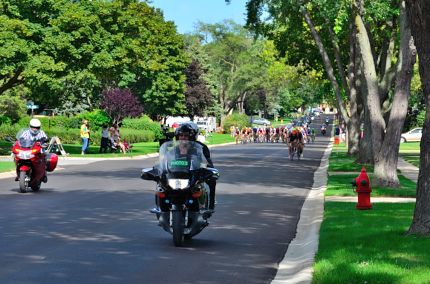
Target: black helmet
{"points": [[189, 128]]}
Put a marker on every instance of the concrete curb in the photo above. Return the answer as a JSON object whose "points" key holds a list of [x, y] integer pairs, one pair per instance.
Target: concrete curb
{"points": [[297, 265]]}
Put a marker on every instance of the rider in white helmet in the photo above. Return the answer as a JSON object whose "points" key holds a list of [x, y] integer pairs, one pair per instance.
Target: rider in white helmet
{"points": [[33, 133]]}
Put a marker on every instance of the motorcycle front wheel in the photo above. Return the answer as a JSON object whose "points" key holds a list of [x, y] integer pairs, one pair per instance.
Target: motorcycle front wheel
{"points": [[178, 228], [24, 179]]}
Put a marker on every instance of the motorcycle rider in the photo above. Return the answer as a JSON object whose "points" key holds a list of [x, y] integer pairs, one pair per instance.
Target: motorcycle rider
{"points": [[34, 134], [323, 129], [190, 131]]}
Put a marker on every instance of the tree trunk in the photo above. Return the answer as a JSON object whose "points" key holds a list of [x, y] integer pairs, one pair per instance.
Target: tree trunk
{"points": [[385, 172], [385, 136], [371, 81], [327, 64], [353, 126], [418, 14], [365, 155]]}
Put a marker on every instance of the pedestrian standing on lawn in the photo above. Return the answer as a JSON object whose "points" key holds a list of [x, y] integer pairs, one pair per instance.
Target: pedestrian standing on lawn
{"points": [[85, 136], [105, 139]]}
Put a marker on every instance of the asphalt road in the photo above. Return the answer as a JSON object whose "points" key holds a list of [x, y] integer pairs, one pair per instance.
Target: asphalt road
{"points": [[90, 223]]}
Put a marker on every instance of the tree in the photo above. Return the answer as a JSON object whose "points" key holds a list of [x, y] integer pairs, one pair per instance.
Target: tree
{"points": [[386, 132], [12, 106], [418, 11], [198, 98], [69, 51], [242, 70], [373, 31], [23, 45], [119, 104]]}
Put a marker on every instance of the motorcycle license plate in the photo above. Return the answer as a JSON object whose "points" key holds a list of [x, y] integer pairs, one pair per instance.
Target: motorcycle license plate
{"points": [[179, 163], [25, 155]]}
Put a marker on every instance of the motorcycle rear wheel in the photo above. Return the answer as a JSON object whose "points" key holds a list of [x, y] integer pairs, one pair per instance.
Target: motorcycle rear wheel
{"points": [[23, 181], [178, 228]]}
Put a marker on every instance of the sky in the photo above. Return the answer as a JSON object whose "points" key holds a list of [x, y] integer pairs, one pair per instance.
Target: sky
{"points": [[186, 13]]}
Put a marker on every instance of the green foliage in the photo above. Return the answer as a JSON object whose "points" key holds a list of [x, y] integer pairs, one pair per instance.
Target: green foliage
{"points": [[421, 118], [5, 120], [12, 107], [143, 123], [236, 119], [96, 118], [72, 136], [10, 131], [68, 51]]}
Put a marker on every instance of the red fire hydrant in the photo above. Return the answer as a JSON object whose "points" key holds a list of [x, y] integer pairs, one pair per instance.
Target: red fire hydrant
{"points": [[362, 184]]}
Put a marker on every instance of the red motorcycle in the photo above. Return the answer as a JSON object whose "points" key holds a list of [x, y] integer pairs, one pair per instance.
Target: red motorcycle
{"points": [[32, 164]]}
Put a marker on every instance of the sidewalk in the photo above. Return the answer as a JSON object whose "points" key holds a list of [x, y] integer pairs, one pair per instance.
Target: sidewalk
{"points": [[297, 265]]}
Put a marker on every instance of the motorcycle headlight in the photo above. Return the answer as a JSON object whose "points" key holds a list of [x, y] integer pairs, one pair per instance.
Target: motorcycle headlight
{"points": [[25, 155], [178, 183]]}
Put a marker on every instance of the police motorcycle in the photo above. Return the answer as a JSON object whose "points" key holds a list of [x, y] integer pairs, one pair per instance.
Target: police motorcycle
{"points": [[181, 191]]}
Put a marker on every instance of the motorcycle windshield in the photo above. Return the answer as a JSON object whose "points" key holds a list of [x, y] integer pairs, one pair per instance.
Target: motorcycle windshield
{"points": [[179, 158], [24, 142]]}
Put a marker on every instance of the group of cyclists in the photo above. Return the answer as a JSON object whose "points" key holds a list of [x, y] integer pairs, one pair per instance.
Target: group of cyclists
{"points": [[294, 136]]}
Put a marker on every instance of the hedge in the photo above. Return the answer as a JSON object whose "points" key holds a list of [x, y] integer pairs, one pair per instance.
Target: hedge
{"points": [[72, 136]]}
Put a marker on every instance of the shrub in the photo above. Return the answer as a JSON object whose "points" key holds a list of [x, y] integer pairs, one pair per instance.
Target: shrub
{"points": [[144, 123], [5, 120], [420, 118], [236, 119], [7, 130], [96, 118], [12, 106]]}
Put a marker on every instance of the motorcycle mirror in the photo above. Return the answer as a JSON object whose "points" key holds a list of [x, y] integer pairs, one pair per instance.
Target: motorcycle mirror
{"points": [[148, 174], [211, 173]]}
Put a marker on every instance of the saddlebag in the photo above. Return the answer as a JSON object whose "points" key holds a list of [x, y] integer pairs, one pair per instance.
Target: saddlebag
{"points": [[51, 161]]}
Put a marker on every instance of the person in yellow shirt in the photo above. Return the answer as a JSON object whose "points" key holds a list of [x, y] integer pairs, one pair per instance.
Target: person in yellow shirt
{"points": [[85, 136]]}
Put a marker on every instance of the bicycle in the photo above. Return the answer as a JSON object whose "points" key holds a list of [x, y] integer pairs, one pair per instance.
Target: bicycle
{"points": [[295, 150]]}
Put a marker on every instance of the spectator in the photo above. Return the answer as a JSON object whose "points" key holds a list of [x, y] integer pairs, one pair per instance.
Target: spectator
{"points": [[115, 138], [85, 136], [121, 145], [105, 139], [114, 134]]}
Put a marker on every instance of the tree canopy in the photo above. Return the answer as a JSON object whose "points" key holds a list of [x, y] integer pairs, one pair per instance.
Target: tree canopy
{"points": [[67, 52]]}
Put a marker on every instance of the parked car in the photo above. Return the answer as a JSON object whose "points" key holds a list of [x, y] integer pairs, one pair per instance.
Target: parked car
{"points": [[412, 135], [260, 121]]}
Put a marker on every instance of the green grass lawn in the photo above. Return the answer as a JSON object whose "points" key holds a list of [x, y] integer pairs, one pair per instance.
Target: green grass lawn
{"points": [[411, 152], [93, 151], [6, 166], [339, 161], [218, 138], [340, 185], [370, 246]]}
